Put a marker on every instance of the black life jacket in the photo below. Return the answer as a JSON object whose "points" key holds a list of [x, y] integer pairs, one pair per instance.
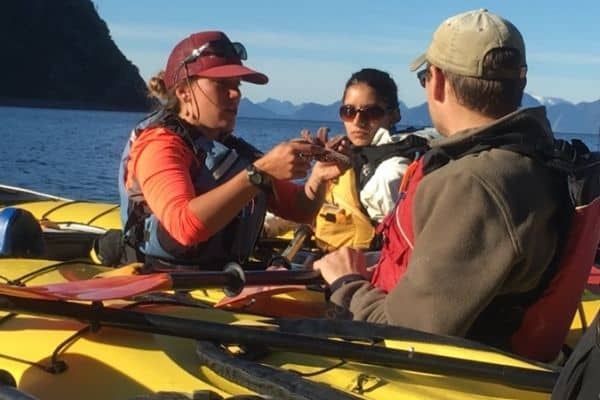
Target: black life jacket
{"points": [[366, 159], [578, 379]]}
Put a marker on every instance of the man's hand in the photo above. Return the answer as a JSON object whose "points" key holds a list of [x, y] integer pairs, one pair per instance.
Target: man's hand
{"points": [[342, 262]]}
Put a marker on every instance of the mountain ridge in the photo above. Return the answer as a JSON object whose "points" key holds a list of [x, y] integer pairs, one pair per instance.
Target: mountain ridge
{"points": [[564, 116], [60, 54]]}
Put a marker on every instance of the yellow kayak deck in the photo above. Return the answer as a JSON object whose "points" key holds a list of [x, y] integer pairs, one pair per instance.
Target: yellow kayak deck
{"points": [[94, 214], [121, 363]]}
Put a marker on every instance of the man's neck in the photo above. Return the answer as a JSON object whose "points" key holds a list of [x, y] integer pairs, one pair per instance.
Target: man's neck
{"points": [[463, 121], [461, 118]]}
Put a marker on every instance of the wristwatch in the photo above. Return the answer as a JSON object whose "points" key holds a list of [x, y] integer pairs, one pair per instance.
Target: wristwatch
{"points": [[258, 178]]}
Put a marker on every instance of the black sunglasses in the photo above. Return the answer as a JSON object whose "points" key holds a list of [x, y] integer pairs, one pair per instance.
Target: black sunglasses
{"points": [[423, 76], [218, 48], [369, 113]]}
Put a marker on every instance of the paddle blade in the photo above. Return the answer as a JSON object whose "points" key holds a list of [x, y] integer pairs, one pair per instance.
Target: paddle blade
{"points": [[289, 301], [125, 270], [110, 288], [19, 291], [593, 283]]}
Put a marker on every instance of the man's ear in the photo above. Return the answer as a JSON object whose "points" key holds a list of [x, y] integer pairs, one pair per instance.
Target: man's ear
{"points": [[439, 84]]}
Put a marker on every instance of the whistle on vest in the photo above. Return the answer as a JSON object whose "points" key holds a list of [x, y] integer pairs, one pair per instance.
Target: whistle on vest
{"points": [[334, 214]]}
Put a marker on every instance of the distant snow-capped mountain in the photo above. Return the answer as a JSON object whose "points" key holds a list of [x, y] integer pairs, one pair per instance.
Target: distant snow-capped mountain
{"points": [[563, 115], [550, 101]]}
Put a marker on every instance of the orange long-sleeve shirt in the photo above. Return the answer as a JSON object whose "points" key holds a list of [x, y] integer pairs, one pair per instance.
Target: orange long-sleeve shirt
{"points": [[160, 162]]}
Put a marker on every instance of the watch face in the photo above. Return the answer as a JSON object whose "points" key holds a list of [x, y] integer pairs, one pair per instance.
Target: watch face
{"points": [[256, 177]]}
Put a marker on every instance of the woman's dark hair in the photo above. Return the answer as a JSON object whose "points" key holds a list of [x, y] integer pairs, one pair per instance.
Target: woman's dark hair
{"points": [[379, 80]]}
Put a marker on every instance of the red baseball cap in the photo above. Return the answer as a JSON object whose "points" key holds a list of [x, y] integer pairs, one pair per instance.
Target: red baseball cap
{"points": [[209, 55]]}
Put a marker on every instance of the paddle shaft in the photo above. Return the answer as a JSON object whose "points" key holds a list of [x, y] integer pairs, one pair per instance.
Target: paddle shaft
{"points": [[233, 278], [189, 280], [530, 379], [302, 233]]}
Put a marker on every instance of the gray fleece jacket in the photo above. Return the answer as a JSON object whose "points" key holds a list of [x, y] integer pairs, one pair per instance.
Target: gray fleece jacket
{"points": [[484, 225]]}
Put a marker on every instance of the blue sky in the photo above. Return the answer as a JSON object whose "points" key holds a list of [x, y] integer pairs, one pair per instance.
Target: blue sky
{"points": [[309, 48]]}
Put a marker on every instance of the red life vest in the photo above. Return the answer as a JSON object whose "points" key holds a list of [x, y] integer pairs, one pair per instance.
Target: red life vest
{"points": [[397, 230], [546, 321]]}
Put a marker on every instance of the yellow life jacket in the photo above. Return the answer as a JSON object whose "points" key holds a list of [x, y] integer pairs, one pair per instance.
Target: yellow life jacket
{"points": [[341, 220]]}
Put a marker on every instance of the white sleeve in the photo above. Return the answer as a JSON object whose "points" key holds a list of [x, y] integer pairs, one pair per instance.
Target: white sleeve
{"points": [[380, 193]]}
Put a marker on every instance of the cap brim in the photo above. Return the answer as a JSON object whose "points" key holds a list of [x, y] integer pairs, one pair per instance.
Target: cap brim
{"points": [[235, 71], [419, 61]]}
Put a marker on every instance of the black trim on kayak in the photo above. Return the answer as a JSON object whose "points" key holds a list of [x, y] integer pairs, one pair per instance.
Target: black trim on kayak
{"points": [[42, 367], [20, 281], [197, 395], [64, 246], [361, 330], [525, 378], [64, 204], [59, 366], [181, 299], [277, 383], [102, 214], [11, 393]]}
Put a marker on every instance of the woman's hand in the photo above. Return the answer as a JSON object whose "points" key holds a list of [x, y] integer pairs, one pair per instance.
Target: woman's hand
{"points": [[330, 168], [288, 160], [340, 144], [324, 171], [321, 174]]}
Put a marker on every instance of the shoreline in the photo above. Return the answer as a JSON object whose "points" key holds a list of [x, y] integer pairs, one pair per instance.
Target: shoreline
{"points": [[66, 105]]}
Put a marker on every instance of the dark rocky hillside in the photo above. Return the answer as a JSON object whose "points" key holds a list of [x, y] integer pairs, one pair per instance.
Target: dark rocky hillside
{"points": [[59, 53]]}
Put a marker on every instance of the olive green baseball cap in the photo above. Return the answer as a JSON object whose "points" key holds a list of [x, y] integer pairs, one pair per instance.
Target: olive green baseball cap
{"points": [[460, 44]]}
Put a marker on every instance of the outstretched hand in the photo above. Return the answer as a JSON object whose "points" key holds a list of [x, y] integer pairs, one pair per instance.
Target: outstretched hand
{"points": [[336, 150], [342, 262], [292, 160], [332, 162], [288, 160]]}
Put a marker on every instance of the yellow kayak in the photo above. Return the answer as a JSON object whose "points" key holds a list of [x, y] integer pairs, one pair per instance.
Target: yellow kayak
{"points": [[53, 355], [62, 212]]}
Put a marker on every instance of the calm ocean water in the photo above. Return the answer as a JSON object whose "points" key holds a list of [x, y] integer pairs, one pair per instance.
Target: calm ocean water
{"points": [[75, 154]]}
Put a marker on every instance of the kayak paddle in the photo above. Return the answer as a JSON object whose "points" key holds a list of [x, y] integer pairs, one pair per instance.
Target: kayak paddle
{"points": [[538, 379], [233, 279]]}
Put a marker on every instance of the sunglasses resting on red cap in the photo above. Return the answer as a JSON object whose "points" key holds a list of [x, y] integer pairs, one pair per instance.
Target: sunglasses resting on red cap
{"points": [[209, 55]]}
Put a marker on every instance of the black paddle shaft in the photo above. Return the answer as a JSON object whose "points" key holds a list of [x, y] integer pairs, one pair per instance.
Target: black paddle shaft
{"points": [[233, 278], [97, 315]]}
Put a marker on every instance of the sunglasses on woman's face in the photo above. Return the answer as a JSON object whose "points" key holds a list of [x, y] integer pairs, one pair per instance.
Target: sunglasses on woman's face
{"points": [[368, 113]]}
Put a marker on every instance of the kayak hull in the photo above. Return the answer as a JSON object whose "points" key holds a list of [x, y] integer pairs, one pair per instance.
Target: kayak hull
{"points": [[119, 363], [54, 357]]}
